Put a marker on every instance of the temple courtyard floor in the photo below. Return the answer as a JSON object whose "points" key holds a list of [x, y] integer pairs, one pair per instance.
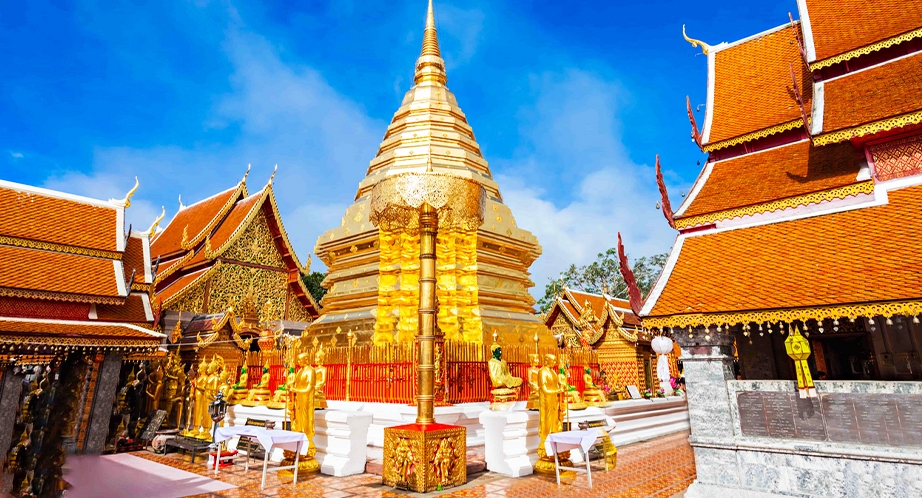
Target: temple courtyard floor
{"points": [[663, 467]]}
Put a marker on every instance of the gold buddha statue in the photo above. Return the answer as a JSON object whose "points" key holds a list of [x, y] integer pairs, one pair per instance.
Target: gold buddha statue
{"points": [[320, 373], [302, 390], [505, 385], [207, 396], [550, 420], [239, 390], [282, 396], [592, 395], [533, 402], [260, 393], [574, 402]]}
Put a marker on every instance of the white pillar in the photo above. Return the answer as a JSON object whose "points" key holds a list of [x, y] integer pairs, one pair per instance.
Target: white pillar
{"points": [[341, 438], [511, 441]]}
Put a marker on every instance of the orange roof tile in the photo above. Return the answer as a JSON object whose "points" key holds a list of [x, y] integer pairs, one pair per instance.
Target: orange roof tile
{"points": [[198, 217], [30, 215], [132, 311], [133, 260], [753, 88], [77, 329], [839, 26], [44, 271], [838, 258], [788, 171], [874, 94]]}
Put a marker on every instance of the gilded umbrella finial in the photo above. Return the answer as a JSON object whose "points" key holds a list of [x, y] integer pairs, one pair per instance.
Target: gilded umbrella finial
{"points": [[431, 35], [694, 43]]}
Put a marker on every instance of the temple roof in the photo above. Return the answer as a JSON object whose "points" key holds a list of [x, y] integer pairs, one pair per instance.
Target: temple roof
{"points": [[750, 87], [841, 26], [871, 96], [232, 212], [59, 219], [853, 256], [195, 221], [779, 173], [66, 267]]}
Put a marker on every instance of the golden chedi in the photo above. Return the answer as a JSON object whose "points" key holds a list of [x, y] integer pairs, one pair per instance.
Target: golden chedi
{"points": [[592, 394], [373, 276], [260, 393], [505, 385]]}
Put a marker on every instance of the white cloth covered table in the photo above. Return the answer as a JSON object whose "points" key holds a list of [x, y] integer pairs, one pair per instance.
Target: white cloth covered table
{"points": [[571, 440], [275, 438]]}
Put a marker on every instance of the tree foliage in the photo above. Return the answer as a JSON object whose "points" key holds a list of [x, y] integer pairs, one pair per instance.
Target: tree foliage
{"points": [[312, 282], [604, 272]]}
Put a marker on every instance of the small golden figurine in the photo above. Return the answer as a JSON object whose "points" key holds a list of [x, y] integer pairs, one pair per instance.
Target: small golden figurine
{"points": [[260, 393], [239, 390], [592, 395], [320, 372], [533, 402]]}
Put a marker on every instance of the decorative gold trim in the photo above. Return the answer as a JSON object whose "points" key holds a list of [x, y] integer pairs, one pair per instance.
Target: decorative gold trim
{"points": [[190, 244], [140, 287], [204, 276], [180, 263], [869, 129], [238, 231], [50, 246], [851, 54], [694, 43], [790, 125], [60, 296], [80, 341], [885, 309], [768, 207], [291, 251]]}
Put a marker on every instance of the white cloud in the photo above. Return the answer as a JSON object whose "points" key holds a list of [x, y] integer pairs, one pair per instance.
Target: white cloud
{"points": [[574, 147], [16, 155]]}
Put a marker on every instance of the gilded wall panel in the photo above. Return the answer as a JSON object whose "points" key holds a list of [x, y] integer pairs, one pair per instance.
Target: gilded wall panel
{"points": [[256, 245], [192, 299], [231, 283], [296, 311]]}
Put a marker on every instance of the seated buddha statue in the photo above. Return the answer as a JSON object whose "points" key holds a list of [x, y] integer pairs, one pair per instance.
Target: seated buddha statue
{"points": [[320, 376], [533, 370], [574, 402], [280, 397], [239, 390], [592, 395], [260, 393], [505, 385]]}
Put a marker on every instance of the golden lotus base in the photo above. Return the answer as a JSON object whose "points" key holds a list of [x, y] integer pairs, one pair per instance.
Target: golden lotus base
{"points": [[503, 399], [276, 405], [424, 458], [577, 406], [545, 464]]}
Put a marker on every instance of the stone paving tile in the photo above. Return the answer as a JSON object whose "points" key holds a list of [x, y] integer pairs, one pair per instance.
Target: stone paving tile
{"points": [[659, 468]]}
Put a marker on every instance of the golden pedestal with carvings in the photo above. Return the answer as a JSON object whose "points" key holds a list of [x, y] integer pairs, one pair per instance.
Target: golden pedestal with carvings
{"points": [[425, 457]]}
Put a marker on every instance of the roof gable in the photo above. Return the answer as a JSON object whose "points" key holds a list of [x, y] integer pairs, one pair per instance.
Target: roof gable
{"points": [[840, 26], [193, 223]]}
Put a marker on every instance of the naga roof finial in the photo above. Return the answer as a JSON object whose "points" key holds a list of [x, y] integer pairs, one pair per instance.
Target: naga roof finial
{"points": [[694, 43], [181, 206], [126, 202], [276, 170], [153, 227], [247, 173]]}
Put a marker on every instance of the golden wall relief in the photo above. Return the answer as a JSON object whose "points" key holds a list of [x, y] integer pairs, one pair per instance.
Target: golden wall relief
{"points": [[230, 284], [398, 291], [296, 311], [256, 245], [192, 299]]}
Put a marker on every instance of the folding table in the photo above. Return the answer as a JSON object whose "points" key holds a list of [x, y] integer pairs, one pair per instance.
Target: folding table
{"points": [[269, 439], [565, 441]]}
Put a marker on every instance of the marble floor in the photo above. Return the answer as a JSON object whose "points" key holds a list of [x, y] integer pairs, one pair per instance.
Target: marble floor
{"points": [[663, 467]]}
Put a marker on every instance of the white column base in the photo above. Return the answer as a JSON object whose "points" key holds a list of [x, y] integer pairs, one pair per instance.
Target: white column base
{"points": [[342, 441], [511, 441]]}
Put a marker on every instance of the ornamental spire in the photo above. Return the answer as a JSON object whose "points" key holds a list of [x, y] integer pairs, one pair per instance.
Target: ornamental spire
{"points": [[430, 66]]}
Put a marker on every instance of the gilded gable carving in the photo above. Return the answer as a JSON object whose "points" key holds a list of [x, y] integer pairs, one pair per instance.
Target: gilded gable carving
{"points": [[256, 245], [231, 282], [296, 311], [192, 299]]}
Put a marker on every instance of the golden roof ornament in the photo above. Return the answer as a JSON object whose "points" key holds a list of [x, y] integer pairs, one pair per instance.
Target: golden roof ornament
{"points": [[694, 43], [181, 205], [153, 228], [245, 175], [126, 202], [276, 170], [430, 66]]}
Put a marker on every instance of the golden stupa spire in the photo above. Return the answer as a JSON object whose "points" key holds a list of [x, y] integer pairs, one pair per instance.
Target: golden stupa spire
{"points": [[430, 36], [430, 66]]}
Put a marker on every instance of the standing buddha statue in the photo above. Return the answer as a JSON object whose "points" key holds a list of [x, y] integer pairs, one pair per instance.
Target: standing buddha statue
{"points": [[154, 387], [302, 389], [533, 395], [550, 421], [320, 373]]}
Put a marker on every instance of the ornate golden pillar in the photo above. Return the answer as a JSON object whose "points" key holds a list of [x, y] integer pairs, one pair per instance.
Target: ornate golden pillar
{"points": [[426, 456]]}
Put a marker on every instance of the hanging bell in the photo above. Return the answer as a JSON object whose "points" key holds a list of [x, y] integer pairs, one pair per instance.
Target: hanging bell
{"points": [[889, 321], [915, 319]]}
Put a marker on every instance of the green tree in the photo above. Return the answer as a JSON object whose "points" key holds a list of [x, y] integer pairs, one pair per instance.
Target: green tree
{"points": [[312, 282], [604, 272]]}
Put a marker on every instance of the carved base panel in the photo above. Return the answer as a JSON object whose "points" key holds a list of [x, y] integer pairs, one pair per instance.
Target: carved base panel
{"points": [[425, 458]]}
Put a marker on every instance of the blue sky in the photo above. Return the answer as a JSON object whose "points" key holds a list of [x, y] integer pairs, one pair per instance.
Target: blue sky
{"points": [[570, 102]]}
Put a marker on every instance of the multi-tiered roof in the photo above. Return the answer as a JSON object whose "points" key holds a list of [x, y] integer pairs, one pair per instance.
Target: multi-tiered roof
{"points": [[808, 207], [70, 275], [216, 251]]}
